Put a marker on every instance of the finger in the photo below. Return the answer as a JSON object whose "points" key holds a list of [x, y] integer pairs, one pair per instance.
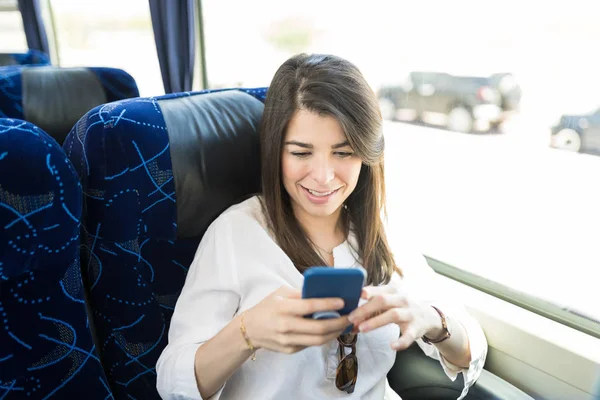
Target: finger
{"points": [[302, 307], [408, 337], [371, 291], [295, 340], [295, 325], [288, 292], [291, 349], [376, 305], [391, 316]]}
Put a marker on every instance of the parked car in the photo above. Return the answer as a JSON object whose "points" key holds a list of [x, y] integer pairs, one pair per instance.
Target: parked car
{"points": [[579, 133], [466, 101]]}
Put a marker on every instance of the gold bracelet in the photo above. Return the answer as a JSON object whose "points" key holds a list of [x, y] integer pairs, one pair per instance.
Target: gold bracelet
{"points": [[246, 338]]}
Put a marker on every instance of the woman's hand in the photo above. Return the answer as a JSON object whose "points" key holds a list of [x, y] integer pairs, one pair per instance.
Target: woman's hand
{"points": [[277, 323], [386, 305]]}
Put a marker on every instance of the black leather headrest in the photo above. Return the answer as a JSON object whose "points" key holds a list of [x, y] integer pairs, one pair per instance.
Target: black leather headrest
{"points": [[55, 98], [215, 154]]}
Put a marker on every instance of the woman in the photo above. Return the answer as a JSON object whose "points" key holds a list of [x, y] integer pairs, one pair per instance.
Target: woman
{"points": [[322, 201]]}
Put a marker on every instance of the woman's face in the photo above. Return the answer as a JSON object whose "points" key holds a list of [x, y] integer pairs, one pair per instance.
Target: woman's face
{"points": [[319, 168]]}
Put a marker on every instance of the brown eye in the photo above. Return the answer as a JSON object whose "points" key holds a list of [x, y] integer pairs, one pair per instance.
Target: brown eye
{"points": [[301, 154]]}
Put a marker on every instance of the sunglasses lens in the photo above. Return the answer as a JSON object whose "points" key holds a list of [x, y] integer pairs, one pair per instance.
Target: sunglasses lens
{"points": [[347, 371]]}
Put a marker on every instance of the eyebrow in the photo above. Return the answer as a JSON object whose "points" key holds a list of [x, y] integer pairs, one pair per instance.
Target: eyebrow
{"points": [[310, 146]]}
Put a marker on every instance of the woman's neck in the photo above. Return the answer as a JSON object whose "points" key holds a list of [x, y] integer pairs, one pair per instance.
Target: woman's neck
{"points": [[325, 232]]}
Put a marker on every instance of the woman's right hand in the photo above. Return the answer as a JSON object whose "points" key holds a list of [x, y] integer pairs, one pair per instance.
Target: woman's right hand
{"points": [[277, 323]]}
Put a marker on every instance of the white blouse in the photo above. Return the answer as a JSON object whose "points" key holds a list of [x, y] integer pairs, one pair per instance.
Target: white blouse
{"points": [[237, 264]]}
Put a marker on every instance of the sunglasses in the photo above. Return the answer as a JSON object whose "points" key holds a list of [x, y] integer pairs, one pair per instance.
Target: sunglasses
{"points": [[347, 369]]}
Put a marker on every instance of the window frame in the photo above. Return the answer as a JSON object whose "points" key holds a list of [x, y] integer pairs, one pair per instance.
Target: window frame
{"points": [[563, 315]]}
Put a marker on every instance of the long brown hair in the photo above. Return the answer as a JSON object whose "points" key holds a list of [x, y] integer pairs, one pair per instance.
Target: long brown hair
{"points": [[327, 85]]}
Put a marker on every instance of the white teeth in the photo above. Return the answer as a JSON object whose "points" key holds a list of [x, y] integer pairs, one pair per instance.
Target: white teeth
{"points": [[319, 194]]}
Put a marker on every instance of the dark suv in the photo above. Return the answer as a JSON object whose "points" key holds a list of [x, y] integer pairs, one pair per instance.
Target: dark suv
{"points": [[579, 133], [466, 101]]}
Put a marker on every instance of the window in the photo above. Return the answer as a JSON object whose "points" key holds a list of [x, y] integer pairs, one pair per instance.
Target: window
{"points": [[492, 161], [12, 34], [111, 33]]}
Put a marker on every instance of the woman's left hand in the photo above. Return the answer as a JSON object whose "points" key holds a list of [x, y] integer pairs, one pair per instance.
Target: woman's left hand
{"points": [[386, 305]]}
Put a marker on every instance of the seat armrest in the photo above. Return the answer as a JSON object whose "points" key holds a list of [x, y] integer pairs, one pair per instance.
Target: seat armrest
{"points": [[416, 376]]}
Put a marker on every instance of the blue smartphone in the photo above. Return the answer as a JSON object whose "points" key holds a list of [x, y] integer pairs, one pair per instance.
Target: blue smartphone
{"points": [[345, 283]]}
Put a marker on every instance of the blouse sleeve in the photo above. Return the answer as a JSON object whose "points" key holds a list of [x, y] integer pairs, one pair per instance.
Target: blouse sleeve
{"points": [[208, 302], [420, 282]]}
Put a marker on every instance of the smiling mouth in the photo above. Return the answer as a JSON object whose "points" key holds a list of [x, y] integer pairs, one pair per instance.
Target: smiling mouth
{"points": [[321, 194]]}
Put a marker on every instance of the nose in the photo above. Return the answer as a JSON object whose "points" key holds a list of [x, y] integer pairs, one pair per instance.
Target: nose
{"points": [[323, 172]]}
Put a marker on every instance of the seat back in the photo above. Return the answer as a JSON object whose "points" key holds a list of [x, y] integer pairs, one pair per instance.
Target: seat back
{"points": [[155, 173], [32, 57], [54, 98], [46, 347]]}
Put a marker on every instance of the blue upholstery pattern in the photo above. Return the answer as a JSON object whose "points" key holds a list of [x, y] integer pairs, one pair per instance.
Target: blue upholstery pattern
{"points": [[10, 92], [46, 344], [32, 57], [133, 261], [117, 85]]}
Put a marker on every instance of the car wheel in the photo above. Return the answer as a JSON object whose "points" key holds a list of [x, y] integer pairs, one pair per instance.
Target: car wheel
{"points": [[388, 109], [460, 120], [567, 139]]}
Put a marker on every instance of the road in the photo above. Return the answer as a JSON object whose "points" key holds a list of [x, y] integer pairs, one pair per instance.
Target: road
{"points": [[504, 206]]}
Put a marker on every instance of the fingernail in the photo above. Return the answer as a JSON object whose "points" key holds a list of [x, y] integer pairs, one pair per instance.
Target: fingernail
{"points": [[395, 345], [340, 304], [363, 327], [351, 317]]}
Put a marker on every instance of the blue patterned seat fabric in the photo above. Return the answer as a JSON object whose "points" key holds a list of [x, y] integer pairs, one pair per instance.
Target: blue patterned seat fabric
{"points": [[46, 346], [134, 257], [31, 57], [116, 85], [10, 92]]}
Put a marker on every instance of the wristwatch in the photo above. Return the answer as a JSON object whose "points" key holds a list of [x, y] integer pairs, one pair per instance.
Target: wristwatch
{"points": [[444, 327]]}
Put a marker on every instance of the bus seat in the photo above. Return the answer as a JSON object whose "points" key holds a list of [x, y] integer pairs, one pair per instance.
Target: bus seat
{"points": [[46, 346], [31, 57], [54, 98], [155, 173], [415, 376]]}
